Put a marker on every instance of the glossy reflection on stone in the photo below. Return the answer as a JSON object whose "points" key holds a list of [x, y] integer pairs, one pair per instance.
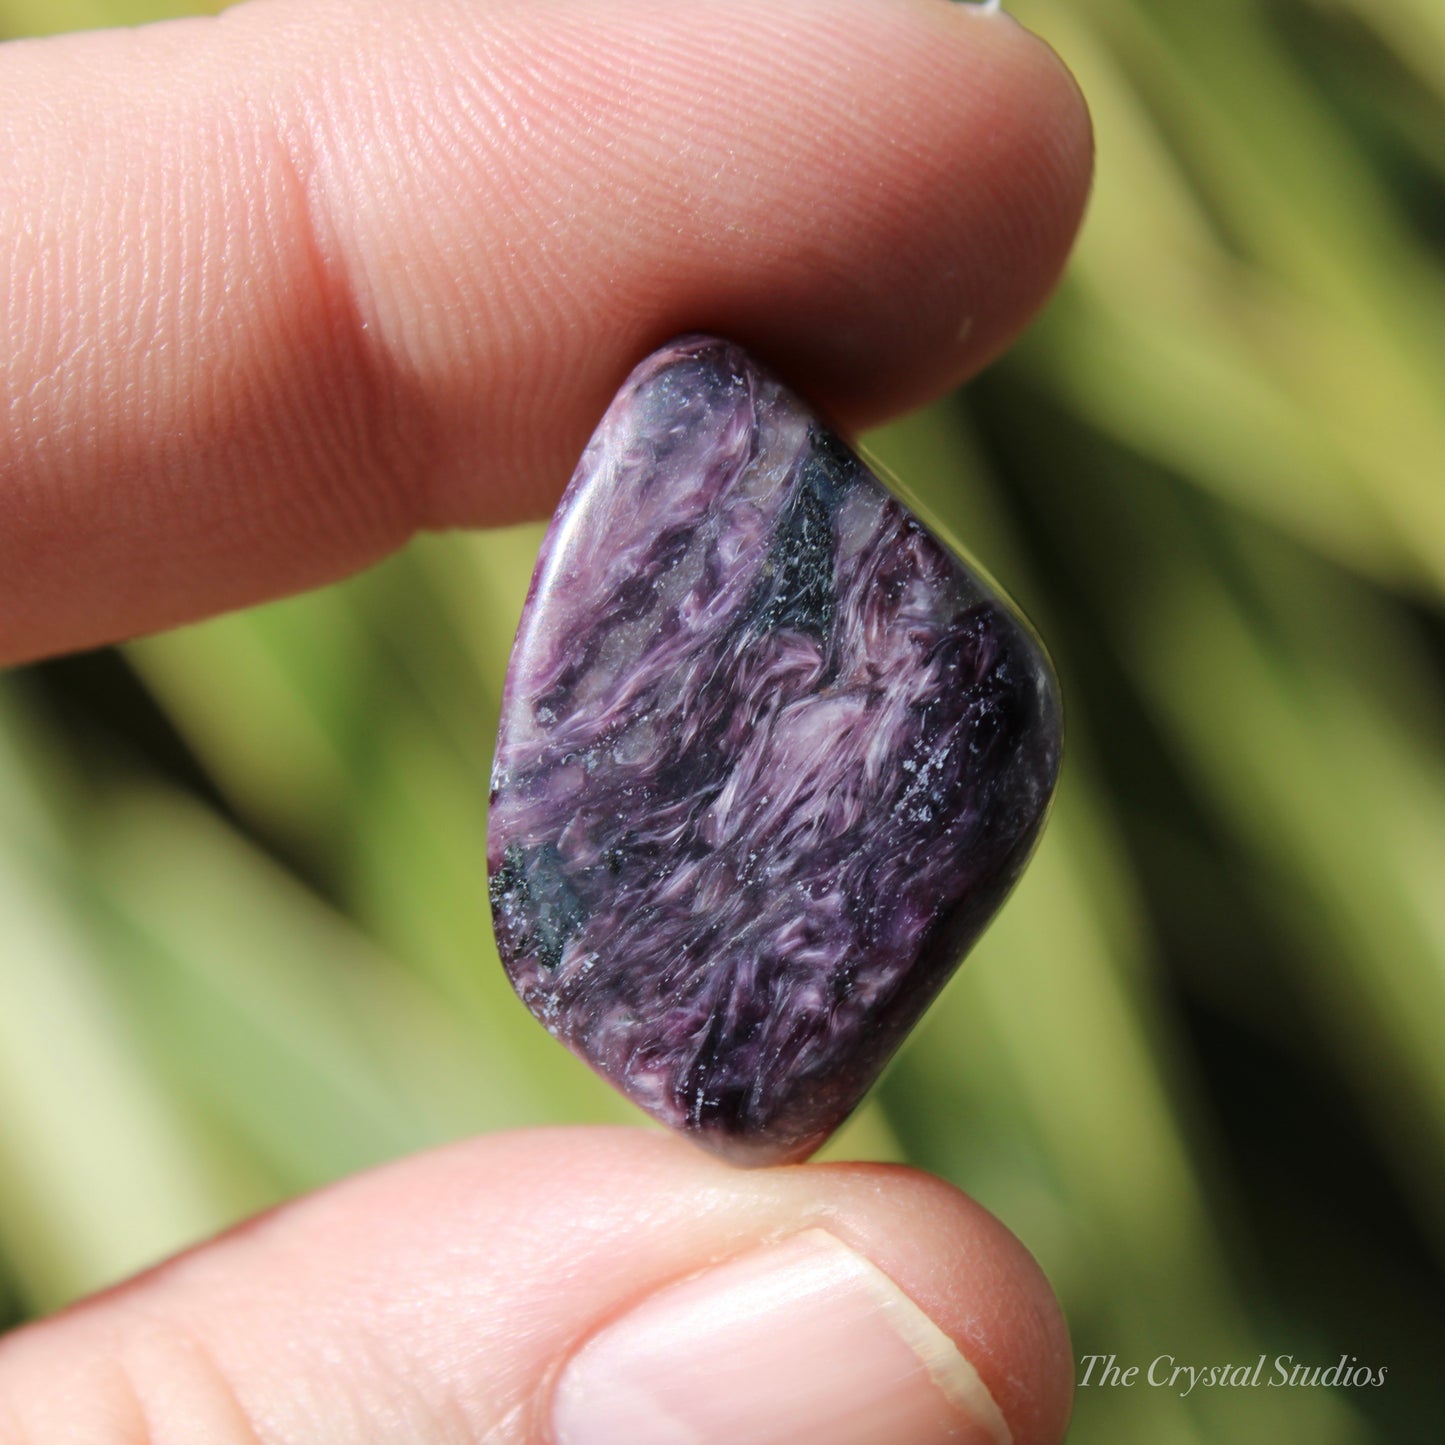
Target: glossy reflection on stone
{"points": [[770, 757]]}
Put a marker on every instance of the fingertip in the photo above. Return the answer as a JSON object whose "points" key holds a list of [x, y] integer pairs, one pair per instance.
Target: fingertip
{"points": [[661, 1212], [973, 1277], [592, 1232], [984, 186]]}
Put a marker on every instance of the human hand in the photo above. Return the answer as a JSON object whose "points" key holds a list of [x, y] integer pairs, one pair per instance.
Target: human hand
{"points": [[281, 288]]}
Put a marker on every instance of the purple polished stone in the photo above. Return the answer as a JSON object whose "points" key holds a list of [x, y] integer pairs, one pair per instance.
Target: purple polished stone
{"points": [[770, 757]]}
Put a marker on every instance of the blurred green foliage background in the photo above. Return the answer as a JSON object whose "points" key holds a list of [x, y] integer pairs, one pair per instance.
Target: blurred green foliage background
{"points": [[1199, 1062]]}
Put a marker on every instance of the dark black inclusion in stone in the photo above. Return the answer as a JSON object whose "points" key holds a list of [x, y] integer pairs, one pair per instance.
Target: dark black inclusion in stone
{"points": [[797, 588], [532, 892]]}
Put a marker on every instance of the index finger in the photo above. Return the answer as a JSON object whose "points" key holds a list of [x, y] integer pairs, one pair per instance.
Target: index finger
{"points": [[278, 289]]}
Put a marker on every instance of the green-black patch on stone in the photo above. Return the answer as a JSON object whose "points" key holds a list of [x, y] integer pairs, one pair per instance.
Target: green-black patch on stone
{"points": [[532, 892]]}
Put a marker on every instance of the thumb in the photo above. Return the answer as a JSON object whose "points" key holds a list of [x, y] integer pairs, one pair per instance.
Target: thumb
{"points": [[578, 1287]]}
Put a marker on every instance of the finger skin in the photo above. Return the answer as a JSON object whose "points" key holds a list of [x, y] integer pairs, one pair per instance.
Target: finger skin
{"points": [[280, 287], [437, 1298]]}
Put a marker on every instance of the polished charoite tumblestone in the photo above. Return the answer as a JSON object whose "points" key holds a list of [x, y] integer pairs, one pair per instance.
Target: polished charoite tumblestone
{"points": [[770, 757]]}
